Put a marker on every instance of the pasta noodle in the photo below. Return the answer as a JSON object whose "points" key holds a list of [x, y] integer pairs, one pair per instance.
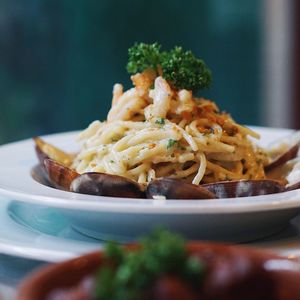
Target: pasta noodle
{"points": [[156, 131]]}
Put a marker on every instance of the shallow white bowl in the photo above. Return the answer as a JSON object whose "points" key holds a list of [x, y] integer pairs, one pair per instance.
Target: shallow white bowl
{"points": [[236, 219]]}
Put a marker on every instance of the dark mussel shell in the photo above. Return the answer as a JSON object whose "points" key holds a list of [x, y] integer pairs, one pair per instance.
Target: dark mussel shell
{"points": [[244, 188], [283, 158], [101, 184], [59, 175], [173, 188]]}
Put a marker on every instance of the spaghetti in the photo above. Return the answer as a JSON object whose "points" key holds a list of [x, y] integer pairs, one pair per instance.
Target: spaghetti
{"points": [[154, 131]]}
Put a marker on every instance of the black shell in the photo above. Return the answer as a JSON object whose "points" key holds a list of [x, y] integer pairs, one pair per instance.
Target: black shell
{"points": [[102, 184], [244, 188], [173, 188]]}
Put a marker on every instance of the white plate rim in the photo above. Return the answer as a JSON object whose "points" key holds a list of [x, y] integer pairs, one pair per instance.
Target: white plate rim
{"points": [[23, 242], [20, 167]]}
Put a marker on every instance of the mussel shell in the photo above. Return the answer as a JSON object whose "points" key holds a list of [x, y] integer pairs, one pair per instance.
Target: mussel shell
{"points": [[292, 187], [173, 188], [40, 155], [283, 158], [60, 176], [244, 188], [45, 150], [102, 184]]}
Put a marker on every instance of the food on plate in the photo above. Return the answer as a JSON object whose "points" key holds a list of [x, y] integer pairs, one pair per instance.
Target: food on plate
{"points": [[164, 267], [160, 129]]}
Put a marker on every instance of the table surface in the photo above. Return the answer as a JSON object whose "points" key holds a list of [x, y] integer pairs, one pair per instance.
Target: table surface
{"points": [[12, 271]]}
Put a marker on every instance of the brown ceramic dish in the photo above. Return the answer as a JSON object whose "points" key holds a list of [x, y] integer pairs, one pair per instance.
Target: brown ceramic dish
{"points": [[233, 272]]}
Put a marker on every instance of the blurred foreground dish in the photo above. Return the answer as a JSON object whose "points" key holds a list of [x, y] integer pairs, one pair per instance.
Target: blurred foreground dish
{"points": [[164, 267]]}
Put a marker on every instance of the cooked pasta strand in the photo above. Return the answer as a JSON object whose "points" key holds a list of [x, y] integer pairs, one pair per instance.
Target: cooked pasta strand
{"points": [[159, 132]]}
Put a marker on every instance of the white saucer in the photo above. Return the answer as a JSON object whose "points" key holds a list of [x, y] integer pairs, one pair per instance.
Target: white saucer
{"points": [[40, 233], [19, 240]]}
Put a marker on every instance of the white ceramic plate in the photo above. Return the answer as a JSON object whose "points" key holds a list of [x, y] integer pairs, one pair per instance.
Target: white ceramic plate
{"points": [[39, 233], [237, 219], [43, 234]]}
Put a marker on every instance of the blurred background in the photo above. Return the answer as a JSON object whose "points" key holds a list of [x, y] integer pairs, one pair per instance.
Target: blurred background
{"points": [[59, 58]]}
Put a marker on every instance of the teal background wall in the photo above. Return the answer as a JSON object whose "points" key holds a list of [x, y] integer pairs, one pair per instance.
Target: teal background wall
{"points": [[60, 58]]}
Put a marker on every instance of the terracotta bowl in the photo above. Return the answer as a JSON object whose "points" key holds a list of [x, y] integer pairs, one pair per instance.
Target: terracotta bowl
{"points": [[270, 276]]}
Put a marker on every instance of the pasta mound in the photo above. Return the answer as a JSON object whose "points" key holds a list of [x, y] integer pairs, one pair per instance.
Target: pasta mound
{"points": [[154, 131]]}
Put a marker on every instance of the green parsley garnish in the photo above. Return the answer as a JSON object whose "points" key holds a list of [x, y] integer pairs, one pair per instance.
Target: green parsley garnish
{"points": [[181, 68], [143, 56], [171, 143], [160, 121], [128, 273], [112, 161], [185, 71]]}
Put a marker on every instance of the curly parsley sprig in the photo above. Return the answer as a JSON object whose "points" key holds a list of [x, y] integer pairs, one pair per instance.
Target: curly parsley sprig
{"points": [[180, 68], [132, 271], [143, 56]]}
